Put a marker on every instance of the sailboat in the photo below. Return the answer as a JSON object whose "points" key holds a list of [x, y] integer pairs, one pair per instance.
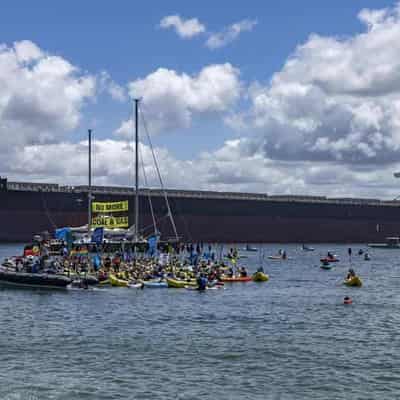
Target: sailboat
{"points": [[132, 235], [169, 211]]}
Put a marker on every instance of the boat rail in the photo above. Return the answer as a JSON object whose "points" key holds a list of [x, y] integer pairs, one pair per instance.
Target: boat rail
{"points": [[197, 194]]}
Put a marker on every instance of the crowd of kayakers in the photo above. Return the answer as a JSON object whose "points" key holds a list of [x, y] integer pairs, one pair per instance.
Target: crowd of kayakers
{"points": [[171, 265], [177, 266]]}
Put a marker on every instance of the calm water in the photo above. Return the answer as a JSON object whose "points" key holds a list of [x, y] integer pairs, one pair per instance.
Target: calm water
{"points": [[289, 338]]}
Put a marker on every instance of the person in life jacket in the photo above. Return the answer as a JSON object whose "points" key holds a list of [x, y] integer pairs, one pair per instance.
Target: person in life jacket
{"points": [[350, 274], [202, 282]]}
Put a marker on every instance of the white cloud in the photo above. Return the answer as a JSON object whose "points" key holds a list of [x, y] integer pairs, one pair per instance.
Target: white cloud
{"points": [[327, 123], [171, 99], [41, 95], [233, 167], [27, 51], [108, 85], [125, 130], [112, 163], [186, 29], [229, 34], [334, 99], [373, 18]]}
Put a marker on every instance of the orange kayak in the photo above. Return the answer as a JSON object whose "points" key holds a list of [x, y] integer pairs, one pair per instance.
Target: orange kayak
{"points": [[237, 279]]}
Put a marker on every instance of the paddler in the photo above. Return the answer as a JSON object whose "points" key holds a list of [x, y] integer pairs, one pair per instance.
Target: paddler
{"points": [[117, 262], [349, 251], [202, 282], [351, 274]]}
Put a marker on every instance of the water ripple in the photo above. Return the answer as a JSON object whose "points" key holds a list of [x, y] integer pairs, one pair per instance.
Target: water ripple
{"points": [[291, 338]]}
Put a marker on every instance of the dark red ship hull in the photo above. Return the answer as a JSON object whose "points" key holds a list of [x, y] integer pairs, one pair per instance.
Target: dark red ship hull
{"points": [[25, 213]]}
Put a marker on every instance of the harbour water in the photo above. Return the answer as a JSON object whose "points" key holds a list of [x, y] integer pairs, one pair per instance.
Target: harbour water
{"points": [[289, 338]]}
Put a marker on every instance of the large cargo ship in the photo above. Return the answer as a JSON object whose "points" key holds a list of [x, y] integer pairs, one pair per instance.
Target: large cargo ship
{"points": [[30, 208]]}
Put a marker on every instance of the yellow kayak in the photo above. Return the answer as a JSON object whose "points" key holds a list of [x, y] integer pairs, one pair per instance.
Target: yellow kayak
{"points": [[179, 284], [260, 277], [114, 281], [354, 281]]}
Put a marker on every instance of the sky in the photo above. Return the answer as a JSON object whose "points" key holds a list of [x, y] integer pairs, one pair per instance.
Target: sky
{"points": [[285, 97]]}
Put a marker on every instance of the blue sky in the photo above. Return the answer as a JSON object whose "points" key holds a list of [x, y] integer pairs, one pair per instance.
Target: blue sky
{"points": [[124, 38]]}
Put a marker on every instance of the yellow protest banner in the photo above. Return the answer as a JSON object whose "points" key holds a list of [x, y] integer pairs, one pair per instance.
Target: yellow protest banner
{"points": [[110, 222], [109, 207]]}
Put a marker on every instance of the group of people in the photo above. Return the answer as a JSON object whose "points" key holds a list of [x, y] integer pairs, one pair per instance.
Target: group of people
{"points": [[183, 262]]}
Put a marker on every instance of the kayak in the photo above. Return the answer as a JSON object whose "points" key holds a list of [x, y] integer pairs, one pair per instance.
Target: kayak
{"points": [[260, 277], [155, 284], [207, 288], [354, 281], [327, 267], [179, 284], [308, 248], [215, 282], [326, 259], [135, 286], [277, 258], [90, 279], [236, 279], [114, 281]]}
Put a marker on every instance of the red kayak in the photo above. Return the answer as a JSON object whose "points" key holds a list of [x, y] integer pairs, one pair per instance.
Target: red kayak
{"points": [[237, 279]]}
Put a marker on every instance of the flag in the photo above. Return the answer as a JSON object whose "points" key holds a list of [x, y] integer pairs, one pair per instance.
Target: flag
{"points": [[62, 234], [152, 242], [97, 236], [96, 262]]}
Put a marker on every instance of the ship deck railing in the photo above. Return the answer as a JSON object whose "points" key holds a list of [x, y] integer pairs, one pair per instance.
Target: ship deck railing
{"points": [[197, 194]]}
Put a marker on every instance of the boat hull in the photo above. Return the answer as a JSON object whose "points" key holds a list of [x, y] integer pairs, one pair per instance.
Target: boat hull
{"points": [[207, 217], [260, 277], [237, 279], [155, 285], [353, 282], [179, 284], [383, 246], [116, 282], [22, 279]]}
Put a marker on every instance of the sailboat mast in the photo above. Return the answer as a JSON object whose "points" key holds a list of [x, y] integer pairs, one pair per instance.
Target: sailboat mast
{"points": [[90, 181], [136, 169]]}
